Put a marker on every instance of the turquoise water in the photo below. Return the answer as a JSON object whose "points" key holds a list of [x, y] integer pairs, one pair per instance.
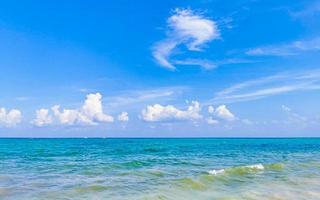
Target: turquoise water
{"points": [[159, 169]]}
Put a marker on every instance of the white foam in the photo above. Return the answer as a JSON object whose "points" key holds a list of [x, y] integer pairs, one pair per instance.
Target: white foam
{"points": [[256, 166], [215, 172]]}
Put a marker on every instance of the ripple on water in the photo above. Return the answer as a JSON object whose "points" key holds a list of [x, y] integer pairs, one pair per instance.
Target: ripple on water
{"points": [[135, 164], [92, 188]]}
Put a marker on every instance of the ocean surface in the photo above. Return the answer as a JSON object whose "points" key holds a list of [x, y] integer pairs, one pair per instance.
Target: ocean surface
{"points": [[159, 169]]}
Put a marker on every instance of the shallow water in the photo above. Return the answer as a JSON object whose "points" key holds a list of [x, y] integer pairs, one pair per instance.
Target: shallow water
{"points": [[160, 169]]}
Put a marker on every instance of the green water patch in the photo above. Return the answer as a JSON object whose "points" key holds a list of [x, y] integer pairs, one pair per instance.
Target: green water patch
{"points": [[135, 164], [189, 183], [92, 188], [274, 166], [156, 173], [209, 179]]}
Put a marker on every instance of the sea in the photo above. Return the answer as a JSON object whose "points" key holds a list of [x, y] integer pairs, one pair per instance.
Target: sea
{"points": [[160, 168]]}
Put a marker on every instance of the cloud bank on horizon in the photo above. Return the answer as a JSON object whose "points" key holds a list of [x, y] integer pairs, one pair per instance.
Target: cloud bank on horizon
{"points": [[91, 113]]}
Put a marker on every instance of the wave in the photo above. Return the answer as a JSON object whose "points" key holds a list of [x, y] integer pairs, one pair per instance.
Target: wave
{"points": [[240, 170], [225, 176], [215, 172]]}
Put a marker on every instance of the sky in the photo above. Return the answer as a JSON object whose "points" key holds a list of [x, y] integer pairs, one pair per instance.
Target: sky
{"points": [[183, 68]]}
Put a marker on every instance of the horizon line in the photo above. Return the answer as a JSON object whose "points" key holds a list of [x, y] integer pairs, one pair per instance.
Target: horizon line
{"points": [[287, 137]]}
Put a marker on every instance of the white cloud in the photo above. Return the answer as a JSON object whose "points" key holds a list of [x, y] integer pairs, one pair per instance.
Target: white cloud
{"points": [[194, 29], [157, 112], [292, 48], [91, 112], [67, 116], [285, 108], [185, 28], [42, 118], [221, 112], [212, 121], [123, 117], [92, 109], [224, 113], [10, 118], [210, 109]]}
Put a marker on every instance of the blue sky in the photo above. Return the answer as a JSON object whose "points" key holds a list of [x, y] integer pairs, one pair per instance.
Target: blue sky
{"points": [[159, 69]]}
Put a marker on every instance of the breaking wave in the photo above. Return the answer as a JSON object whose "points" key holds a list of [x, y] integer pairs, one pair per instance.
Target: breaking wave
{"points": [[240, 170]]}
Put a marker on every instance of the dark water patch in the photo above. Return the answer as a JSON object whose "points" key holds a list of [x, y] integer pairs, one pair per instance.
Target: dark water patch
{"points": [[134, 164], [153, 149]]}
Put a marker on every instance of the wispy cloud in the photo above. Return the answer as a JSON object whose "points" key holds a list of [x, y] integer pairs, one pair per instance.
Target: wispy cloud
{"points": [[185, 28], [133, 98], [269, 86], [209, 64], [293, 48], [22, 98], [310, 10], [295, 118], [205, 64]]}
